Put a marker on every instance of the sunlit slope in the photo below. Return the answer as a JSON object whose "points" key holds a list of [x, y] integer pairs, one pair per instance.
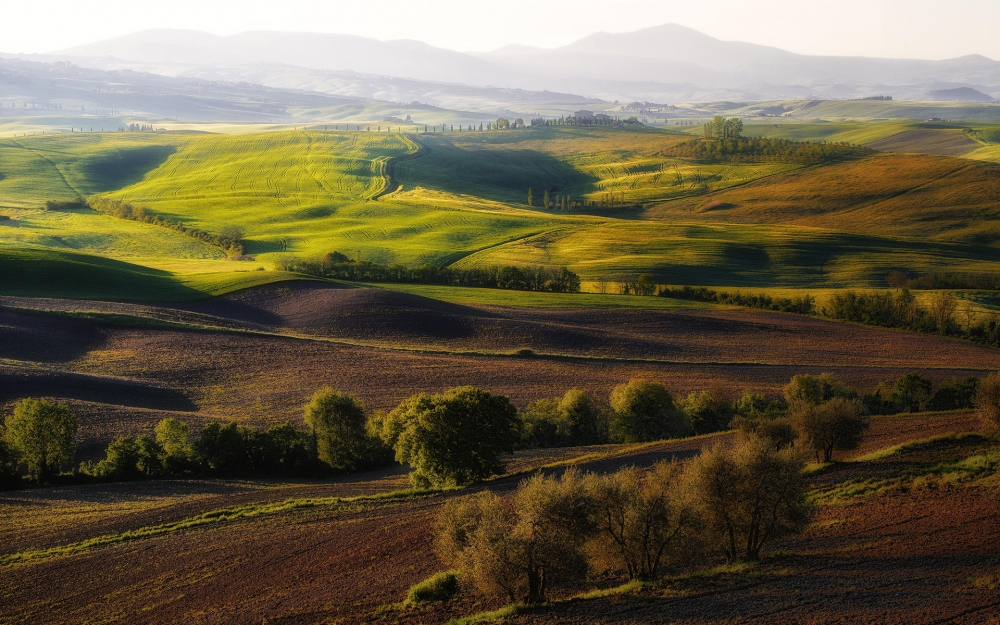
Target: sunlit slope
{"points": [[589, 164], [75, 165], [308, 193], [890, 195], [52, 273], [736, 254]]}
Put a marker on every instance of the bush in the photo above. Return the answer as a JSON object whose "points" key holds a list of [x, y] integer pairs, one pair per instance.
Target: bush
{"points": [[779, 430], [988, 404], [644, 411], [41, 433], [441, 586], [451, 439], [955, 394], [522, 550], [750, 495], [838, 424], [810, 389], [911, 393], [646, 522]]}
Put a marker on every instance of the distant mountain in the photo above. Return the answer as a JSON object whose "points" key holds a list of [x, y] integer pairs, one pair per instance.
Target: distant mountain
{"points": [[668, 63], [961, 94]]}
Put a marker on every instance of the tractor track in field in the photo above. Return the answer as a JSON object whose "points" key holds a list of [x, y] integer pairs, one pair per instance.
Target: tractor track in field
{"points": [[391, 183]]}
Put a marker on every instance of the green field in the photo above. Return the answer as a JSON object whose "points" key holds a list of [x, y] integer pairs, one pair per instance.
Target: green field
{"points": [[461, 198]]}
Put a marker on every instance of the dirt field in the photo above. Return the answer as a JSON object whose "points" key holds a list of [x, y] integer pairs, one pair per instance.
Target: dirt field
{"points": [[385, 346], [928, 141], [342, 563]]}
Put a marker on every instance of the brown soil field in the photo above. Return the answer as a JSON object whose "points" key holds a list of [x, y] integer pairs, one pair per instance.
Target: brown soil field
{"points": [[927, 141], [385, 346], [926, 556]]}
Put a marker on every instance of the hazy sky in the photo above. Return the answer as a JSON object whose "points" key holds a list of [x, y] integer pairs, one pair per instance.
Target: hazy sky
{"points": [[931, 29]]}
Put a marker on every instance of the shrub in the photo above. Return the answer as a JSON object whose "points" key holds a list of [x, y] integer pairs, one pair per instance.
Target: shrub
{"points": [[810, 389], [644, 411], [988, 404], [451, 439], [838, 424], [522, 550], [750, 494], [41, 433], [911, 393], [337, 421], [441, 586], [644, 522]]}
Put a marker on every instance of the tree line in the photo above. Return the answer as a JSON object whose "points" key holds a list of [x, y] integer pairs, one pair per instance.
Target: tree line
{"points": [[744, 149], [943, 280], [804, 305], [458, 437], [339, 266]]}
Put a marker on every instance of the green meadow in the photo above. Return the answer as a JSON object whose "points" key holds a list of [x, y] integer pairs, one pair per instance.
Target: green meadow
{"points": [[461, 198]]}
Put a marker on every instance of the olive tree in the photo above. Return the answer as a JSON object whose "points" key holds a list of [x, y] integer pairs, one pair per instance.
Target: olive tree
{"points": [[520, 549], [453, 438], [644, 522], [837, 424], [750, 494], [645, 411], [41, 432]]}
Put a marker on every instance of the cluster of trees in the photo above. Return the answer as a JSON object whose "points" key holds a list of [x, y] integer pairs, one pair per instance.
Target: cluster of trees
{"points": [[722, 128], [804, 305], [339, 266], [138, 128], [743, 149], [573, 121], [459, 437], [731, 500], [565, 202], [937, 280], [230, 238]]}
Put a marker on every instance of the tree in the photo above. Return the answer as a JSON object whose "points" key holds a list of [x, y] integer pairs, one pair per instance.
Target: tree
{"points": [[644, 411], [8, 459], [571, 420], [454, 438], [172, 436], [337, 421], [749, 494], [837, 424], [955, 394], [531, 196], [129, 458], [808, 389], [41, 432], [546, 199], [645, 285], [644, 522], [942, 311], [988, 404], [223, 448], [709, 411], [911, 392], [522, 550]]}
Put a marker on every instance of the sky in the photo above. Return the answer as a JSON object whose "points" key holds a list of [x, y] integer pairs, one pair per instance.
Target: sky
{"points": [[887, 28]]}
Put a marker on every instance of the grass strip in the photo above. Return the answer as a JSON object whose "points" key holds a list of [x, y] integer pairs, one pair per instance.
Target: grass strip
{"points": [[208, 518]]}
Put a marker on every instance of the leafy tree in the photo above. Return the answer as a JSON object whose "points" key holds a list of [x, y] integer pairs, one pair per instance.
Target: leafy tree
{"points": [[709, 411], [337, 421], [753, 406], [8, 459], [911, 392], [531, 196], [750, 494], [547, 199], [645, 411], [955, 394], [172, 436], [645, 285], [522, 550], [571, 420], [988, 404], [41, 432], [644, 522], [453, 438], [838, 424], [808, 389], [223, 448], [129, 458]]}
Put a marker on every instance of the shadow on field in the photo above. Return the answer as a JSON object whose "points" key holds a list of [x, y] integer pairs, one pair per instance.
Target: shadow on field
{"points": [[20, 382], [125, 166]]}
